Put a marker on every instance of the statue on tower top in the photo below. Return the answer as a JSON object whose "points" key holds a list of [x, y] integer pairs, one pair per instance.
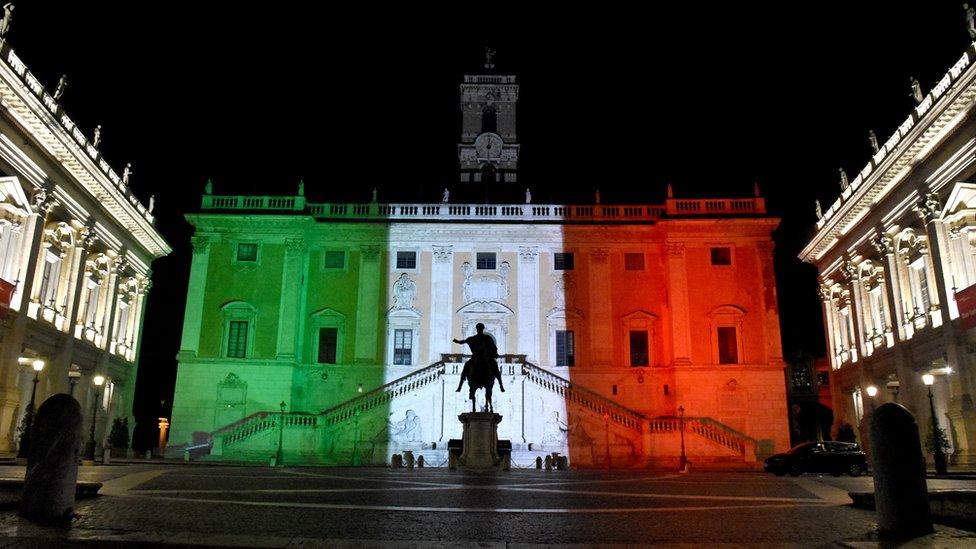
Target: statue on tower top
{"points": [[489, 62], [8, 16]]}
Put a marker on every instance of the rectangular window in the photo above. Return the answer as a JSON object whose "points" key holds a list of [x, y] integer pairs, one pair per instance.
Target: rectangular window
{"points": [[565, 348], [122, 322], [247, 251], [406, 260], [486, 261], [335, 260], [728, 349], [923, 286], [237, 339], [721, 256], [638, 348], [563, 261], [46, 276], [328, 341], [403, 347], [634, 262]]}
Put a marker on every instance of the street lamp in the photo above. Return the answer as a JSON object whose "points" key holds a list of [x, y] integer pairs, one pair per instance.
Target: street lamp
{"points": [[90, 446], [940, 458], [606, 422], [681, 429], [281, 435], [73, 376], [25, 436], [872, 392]]}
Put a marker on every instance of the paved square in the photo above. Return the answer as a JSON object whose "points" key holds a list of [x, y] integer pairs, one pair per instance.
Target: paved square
{"points": [[220, 505]]}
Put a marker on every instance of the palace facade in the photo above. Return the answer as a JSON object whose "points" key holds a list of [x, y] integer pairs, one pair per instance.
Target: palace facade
{"points": [[75, 253], [895, 254], [623, 328]]}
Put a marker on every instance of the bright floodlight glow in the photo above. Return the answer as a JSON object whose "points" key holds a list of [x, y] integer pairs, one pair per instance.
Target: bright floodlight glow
{"points": [[948, 369], [99, 380], [872, 391], [37, 365], [928, 379]]}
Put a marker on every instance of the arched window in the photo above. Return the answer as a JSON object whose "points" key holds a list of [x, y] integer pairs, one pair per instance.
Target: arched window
{"points": [[488, 174], [489, 120]]}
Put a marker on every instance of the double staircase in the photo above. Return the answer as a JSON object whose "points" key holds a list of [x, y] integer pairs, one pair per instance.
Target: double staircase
{"points": [[233, 439]]}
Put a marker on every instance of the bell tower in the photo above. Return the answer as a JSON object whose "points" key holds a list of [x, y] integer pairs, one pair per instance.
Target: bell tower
{"points": [[488, 151]]}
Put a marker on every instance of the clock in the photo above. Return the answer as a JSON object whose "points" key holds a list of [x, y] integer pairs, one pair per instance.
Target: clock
{"points": [[488, 146]]}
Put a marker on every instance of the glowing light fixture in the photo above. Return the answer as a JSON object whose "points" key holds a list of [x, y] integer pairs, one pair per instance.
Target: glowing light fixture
{"points": [[928, 379], [37, 365], [99, 380], [872, 391]]}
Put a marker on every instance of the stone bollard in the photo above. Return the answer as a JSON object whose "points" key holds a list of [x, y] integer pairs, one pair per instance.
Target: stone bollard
{"points": [[452, 461], [900, 492], [507, 462], [548, 463], [408, 458], [420, 462], [562, 463], [538, 462], [52, 464]]}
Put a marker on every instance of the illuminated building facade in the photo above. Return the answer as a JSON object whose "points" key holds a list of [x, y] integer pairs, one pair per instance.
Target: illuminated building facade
{"points": [[329, 326], [75, 252], [895, 255]]}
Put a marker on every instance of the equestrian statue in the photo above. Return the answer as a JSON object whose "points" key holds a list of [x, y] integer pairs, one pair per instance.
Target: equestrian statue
{"points": [[481, 370]]}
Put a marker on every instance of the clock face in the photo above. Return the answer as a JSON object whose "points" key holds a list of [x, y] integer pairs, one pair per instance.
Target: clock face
{"points": [[488, 145]]}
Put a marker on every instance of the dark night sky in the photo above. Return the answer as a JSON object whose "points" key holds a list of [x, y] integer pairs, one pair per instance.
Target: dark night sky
{"points": [[711, 98]]}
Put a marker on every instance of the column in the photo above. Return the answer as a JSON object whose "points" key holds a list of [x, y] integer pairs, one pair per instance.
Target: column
{"points": [[58, 375], [129, 385], [14, 339], [291, 287], [368, 304], [600, 314], [119, 264], [854, 306], [774, 345], [441, 302], [828, 314], [195, 293], [528, 303], [886, 250], [678, 292]]}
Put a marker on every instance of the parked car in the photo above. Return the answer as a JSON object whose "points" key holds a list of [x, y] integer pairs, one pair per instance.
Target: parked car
{"points": [[836, 458]]}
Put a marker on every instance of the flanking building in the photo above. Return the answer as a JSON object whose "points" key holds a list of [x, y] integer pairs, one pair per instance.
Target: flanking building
{"points": [[897, 270], [324, 329], [75, 253]]}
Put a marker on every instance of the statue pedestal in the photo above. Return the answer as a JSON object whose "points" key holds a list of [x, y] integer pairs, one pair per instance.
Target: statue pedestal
{"points": [[480, 450]]}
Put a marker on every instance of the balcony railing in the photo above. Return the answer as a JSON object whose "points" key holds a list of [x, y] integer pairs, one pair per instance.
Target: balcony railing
{"points": [[513, 213]]}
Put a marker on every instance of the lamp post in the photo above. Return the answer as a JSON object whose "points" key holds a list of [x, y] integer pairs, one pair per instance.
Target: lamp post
{"points": [[25, 437], [281, 435], [73, 376], [940, 458], [606, 423], [681, 429], [90, 446], [872, 392]]}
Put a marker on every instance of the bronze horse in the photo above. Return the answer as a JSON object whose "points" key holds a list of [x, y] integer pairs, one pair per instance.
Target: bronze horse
{"points": [[481, 370]]}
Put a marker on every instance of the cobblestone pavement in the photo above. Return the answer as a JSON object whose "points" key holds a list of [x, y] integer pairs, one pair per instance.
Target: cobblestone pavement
{"points": [[250, 506]]}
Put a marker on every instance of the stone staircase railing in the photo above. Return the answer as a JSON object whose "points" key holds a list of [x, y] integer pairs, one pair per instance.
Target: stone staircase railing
{"points": [[260, 422], [709, 429], [381, 395], [587, 399]]}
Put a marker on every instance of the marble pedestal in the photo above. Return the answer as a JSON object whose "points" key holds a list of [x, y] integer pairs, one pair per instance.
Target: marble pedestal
{"points": [[480, 438]]}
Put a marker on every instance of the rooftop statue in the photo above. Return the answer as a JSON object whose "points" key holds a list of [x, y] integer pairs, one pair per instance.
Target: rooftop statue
{"points": [[528, 196], [873, 139], [844, 183], [208, 188], [917, 91], [819, 209], [97, 136], [126, 173], [446, 197], [489, 54], [152, 202], [8, 16], [482, 370], [301, 188], [597, 196], [970, 20], [374, 195], [62, 84]]}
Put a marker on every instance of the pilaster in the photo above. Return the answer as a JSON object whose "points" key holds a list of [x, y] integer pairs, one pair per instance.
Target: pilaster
{"points": [[292, 281], [601, 322], [678, 292], [58, 377], [368, 304], [441, 300], [195, 294], [528, 303]]}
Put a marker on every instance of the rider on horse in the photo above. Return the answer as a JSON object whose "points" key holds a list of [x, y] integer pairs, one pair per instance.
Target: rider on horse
{"points": [[481, 370]]}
